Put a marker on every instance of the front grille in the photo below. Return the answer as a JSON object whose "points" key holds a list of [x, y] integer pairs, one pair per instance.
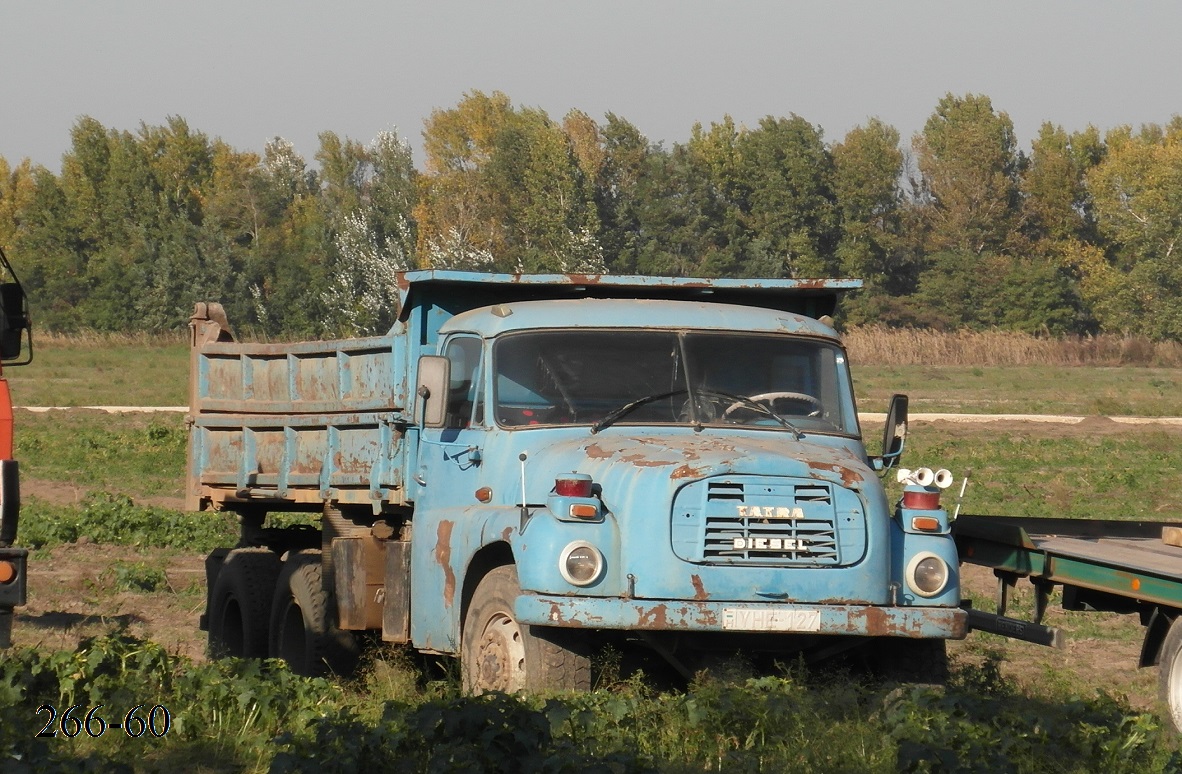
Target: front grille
{"points": [[756, 520]]}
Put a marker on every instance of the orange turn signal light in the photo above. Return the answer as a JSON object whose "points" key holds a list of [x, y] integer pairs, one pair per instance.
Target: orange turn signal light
{"points": [[7, 572], [925, 524], [584, 511], [484, 494]]}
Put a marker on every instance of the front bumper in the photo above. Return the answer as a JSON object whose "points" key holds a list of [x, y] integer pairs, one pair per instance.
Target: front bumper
{"points": [[764, 617]]}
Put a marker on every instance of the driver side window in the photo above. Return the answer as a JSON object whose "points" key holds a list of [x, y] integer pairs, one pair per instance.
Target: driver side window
{"points": [[465, 399]]}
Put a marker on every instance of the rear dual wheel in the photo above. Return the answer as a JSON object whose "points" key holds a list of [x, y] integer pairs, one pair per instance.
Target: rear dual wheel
{"points": [[240, 603], [303, 630], [498, 653]]}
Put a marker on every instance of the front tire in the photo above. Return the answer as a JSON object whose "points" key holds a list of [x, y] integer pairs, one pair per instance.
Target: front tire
{"points": [[500, 654], [1169, 679], [239, 603], [303, 621]]}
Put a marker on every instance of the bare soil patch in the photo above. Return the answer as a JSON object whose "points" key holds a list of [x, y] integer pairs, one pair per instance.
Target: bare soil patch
{"points": [[1101, 653], [74, 594]]}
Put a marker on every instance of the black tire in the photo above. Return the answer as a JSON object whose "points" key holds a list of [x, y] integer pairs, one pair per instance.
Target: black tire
{"points": [[499, 654], [303, 621], [240, 602], [1169, 676]]}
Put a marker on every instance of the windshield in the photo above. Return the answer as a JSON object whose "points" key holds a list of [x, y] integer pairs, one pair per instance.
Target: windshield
{"points": [[602, 377]]}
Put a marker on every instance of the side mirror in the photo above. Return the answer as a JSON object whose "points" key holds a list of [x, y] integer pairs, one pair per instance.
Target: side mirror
{"points": [[894, 435], [434, 377], [14, 320]]}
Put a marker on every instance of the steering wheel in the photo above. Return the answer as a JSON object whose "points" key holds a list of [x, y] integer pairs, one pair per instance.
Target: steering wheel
{"points": [[771, 397], [701, 406]]}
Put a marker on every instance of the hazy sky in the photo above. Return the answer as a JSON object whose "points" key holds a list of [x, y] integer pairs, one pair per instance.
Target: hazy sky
{"points": [[248, 71]]}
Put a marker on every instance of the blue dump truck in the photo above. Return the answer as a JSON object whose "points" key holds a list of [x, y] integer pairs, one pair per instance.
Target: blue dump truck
{"points": [[528, 467]]}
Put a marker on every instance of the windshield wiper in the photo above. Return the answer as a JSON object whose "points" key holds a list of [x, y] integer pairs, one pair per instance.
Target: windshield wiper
{"points": [[754, 405], [628, 408]]}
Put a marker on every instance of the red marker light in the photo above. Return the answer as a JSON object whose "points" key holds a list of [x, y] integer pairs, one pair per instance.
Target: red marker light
{"points": [[920, 500], [573, 485]]}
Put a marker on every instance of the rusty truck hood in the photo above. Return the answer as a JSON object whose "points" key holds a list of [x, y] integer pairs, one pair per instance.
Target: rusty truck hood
{"points": [[627, 459]]}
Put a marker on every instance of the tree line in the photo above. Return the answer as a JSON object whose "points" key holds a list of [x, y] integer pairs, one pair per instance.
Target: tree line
{"points": [[958, 228]]}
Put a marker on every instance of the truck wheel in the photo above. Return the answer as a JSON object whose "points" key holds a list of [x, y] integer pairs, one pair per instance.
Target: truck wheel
{"points": [[239, 603], [303, 626], [500, 654], [1169, 680]]}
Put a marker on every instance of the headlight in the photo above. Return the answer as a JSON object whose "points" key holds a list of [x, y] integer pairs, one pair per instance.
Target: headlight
{"points": [[927, 574], [580, 563]]}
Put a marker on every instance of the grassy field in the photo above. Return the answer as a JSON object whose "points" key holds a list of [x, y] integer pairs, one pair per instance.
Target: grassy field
{"points": [[155, 372], [103, 371], [115, 558]]}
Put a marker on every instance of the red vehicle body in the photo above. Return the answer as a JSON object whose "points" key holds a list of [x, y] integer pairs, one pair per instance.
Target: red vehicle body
{"points": [[14, 332]]}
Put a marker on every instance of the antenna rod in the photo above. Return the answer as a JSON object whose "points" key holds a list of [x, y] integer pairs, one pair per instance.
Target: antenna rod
{"points": [[524, 508]]}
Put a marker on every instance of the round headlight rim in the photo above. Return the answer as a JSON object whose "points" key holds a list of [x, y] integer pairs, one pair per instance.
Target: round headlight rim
{"points": [[570, 548], [913, 565]]}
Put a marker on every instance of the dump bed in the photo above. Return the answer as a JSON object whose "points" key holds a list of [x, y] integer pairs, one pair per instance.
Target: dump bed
{"points": [[290, 426], [297, 423]]}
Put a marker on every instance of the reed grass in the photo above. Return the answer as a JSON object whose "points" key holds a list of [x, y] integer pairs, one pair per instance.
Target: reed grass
{"points": [[881, 345]]}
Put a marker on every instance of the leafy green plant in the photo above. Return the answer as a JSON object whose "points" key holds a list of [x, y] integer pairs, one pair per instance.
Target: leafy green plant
{"points": [[137, 576], [117, 520]]}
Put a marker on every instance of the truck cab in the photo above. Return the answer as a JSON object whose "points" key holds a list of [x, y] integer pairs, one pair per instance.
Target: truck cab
{"points": [[571, 461]]}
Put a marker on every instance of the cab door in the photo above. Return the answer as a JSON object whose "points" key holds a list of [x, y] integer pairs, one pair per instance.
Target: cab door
{"points": [[450, 456]]}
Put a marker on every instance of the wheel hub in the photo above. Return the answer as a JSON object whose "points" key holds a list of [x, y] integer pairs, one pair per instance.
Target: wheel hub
{"points": [[501, 656]]}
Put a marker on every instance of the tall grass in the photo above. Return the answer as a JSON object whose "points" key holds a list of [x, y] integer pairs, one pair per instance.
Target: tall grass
{"points": [[105, 340], [880, 345]]}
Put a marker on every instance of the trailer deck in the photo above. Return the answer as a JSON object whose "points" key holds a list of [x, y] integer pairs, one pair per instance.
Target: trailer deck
{"points": [[1102, 565]]}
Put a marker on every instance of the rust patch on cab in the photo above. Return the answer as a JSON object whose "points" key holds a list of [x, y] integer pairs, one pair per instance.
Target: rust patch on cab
{"points": [[685, 471], [850, 477], [640, 461], [443, 557], [699, 589]]}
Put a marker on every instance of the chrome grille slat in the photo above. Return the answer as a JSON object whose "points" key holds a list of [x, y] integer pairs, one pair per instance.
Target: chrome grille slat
{"points": [[814, 523]]}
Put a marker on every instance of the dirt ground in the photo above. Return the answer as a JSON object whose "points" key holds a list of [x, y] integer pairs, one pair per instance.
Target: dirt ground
{"points": [[74, 590], [74, 594]]}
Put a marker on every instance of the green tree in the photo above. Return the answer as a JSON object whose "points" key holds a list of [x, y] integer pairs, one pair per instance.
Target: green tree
{"points": [[791, 211], [1056, 204], [868, 167], [968, 158], [504, 188], [629, 162], [1136, 284]]}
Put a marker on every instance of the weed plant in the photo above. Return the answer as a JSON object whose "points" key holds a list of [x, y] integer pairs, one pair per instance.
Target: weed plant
{"points": [[117, 520], [257, 716]]}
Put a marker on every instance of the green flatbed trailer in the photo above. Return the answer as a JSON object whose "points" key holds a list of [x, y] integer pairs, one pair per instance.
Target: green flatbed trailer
{"points": [[1101, 565]]}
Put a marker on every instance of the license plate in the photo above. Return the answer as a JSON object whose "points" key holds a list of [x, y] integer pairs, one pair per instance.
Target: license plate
{"points": [[763, 620]]}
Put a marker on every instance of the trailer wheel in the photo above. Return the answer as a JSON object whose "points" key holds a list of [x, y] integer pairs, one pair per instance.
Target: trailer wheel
{"points": [[303, 626], [239, 603], [500, 654], [1170, 674]]}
